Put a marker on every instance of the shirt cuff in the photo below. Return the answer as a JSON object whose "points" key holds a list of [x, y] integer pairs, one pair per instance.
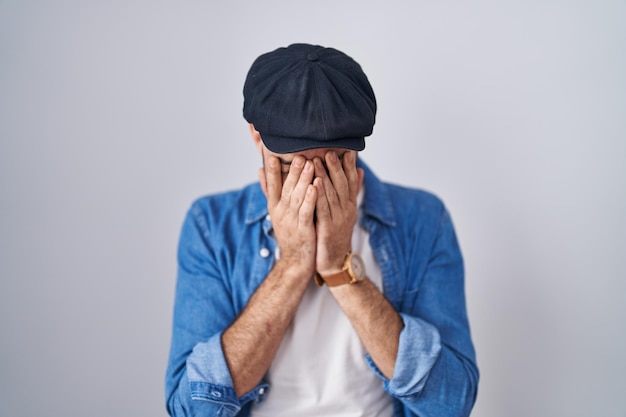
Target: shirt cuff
{"points": [[210, 380], [418, 350]]}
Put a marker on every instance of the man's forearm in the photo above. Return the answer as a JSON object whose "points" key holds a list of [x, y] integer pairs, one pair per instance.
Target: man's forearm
{"points": [[251, 342], [375, 320]]}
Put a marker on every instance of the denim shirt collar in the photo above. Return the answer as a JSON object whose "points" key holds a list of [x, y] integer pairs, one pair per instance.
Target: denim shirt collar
{"points": [[257, 207], [376, 202]]}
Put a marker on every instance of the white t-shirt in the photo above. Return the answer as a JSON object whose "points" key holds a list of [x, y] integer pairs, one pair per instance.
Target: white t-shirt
{"points": [[320, 368]]}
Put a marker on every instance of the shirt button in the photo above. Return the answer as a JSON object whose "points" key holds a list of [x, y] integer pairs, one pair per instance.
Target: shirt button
{"points": [[268, 218], [261, 391], [264, 252]]}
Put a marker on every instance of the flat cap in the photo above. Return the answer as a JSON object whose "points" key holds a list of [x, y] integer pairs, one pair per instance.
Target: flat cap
{"points": [[308, 96]]}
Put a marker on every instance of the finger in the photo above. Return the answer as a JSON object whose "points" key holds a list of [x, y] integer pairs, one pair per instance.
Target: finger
{"points": [[322, 210], [328, 189], [307, 209], [352, 175], [273, 180], [361, 173], [295, 169], [302, 186], [337, 176], [320, 169]]}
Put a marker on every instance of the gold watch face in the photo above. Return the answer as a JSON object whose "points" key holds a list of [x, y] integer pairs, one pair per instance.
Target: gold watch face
{"points": [[357, 266]]}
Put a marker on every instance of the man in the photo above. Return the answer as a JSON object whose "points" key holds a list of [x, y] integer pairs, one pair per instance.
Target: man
{"points": [[319, 290]]}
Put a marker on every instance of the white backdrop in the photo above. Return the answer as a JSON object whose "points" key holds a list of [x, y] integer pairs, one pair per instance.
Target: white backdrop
{"points": [[115, 115]]}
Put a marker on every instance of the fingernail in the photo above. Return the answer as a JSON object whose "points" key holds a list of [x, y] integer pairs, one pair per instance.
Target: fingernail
{"points": [[298, 162], [333, 156], [308, 166]]}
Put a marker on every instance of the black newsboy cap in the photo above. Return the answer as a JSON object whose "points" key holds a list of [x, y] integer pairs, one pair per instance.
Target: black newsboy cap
{"points": [[308, 96]]}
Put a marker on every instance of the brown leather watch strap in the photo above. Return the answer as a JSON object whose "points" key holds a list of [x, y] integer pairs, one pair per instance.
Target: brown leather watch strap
{"points": [[340, 278], [347, 275]]}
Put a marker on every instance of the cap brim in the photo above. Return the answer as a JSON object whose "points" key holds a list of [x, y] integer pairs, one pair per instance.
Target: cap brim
{"points": [[279, 144]]}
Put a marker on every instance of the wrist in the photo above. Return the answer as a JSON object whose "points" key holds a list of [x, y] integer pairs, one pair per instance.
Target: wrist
{"points": [[332, 260], [294, 271], [330, 270], [332, 267], [351, 272]]}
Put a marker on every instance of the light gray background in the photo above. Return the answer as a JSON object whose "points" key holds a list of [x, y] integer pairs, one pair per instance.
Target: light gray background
{"points": [[115, 115]]}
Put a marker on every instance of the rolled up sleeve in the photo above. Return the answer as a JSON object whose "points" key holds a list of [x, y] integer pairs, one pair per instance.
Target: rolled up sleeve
{"points": [[198, 380], [418, 349], [435, 373]]}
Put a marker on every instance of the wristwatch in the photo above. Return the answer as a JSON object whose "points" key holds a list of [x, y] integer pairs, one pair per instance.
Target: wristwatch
{"points": [[352, 272]]}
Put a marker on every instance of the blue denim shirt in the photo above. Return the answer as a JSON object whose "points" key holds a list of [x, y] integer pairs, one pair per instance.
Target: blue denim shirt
{"points": [[226, 251]]}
